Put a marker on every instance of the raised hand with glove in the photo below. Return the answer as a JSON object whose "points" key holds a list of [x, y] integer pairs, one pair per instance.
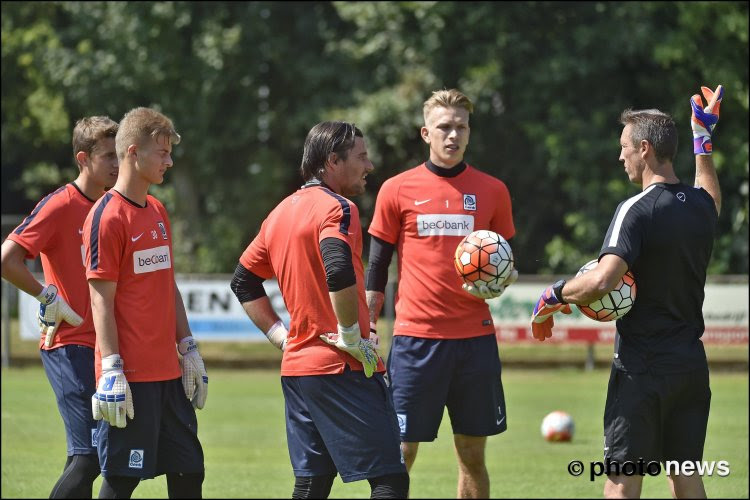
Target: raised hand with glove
{"points": [[194, 376], [52, 311], [703, 120], [548, 304], [491, 292], [349, 340], [112, 400]]}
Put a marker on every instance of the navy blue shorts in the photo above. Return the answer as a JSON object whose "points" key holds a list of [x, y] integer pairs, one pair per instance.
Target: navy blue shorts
{"points": [[427, 375], [161, 439], [341, 423], [656, 417], [70, 371]]}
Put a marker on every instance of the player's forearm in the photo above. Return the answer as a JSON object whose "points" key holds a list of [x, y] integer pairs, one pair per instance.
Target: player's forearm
{"points": [[346, 305], [596, 283], [183, 327], [261, 313], [15, 271], [103, 313], [585, 289], [375, 302], [705, 177]]}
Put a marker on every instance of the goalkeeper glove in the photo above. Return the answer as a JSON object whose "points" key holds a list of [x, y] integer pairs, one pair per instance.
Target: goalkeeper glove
{"points": [[112, 399], [194, 376], [349, 340], [492, 291], [703, 120], [52, 311], [547, 305], [278, 334]]}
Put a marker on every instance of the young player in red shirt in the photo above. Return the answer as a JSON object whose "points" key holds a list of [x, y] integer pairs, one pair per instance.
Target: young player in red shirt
{"points": [[139, 317], [444, 351], [332, 378], [53, 231]]}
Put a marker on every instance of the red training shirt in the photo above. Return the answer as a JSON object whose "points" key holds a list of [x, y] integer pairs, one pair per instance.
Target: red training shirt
{"points": [[426, 216], [132, 245], [53, 231], [288, 247]]}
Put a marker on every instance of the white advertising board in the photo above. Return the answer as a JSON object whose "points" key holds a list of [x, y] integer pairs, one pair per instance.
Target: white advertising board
{"points": [[214, 313]]}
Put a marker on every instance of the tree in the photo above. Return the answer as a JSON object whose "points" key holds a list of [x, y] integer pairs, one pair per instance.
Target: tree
{"points": [[244, 82]]}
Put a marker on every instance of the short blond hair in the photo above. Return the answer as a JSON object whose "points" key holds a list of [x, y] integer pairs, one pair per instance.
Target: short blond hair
{"points": [[447, 99], [140, 124], [89, 131]]}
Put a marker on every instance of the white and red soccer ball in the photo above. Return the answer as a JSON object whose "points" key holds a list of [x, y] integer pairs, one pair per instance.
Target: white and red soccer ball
{"points": [[616, 303], [483, 258], [558, 426]]}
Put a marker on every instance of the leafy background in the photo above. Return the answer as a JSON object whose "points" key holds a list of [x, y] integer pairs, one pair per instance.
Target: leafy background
{"points": [[245, 81]]}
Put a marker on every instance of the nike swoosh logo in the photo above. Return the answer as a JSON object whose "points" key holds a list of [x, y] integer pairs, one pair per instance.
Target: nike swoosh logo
{"points": [[135, 238], [498, 422], [422, 202]]}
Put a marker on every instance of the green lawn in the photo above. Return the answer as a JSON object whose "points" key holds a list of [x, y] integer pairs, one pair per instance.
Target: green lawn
{"points": [[242, 431]]}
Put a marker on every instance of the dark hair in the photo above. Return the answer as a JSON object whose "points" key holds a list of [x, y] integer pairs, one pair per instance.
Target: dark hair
{"points": [[654, 126], [322, 140]]}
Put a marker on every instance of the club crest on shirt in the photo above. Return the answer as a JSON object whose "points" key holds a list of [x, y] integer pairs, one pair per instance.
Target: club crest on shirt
{"points": [[163, 230], [136, 459], [470, 202]]}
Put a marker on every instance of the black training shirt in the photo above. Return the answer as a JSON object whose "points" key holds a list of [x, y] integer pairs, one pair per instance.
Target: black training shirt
{"points": [[666, 235]]}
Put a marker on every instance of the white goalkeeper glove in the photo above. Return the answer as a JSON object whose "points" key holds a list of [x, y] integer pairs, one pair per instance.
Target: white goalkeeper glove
{"points": [[493, 291], [277, 335], [194, 376], [112, 399], [348, 339], [52, 311]]}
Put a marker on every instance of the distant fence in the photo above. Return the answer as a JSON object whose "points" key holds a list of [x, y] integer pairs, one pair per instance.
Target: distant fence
{"points": [[725, 312], [215, 314]]}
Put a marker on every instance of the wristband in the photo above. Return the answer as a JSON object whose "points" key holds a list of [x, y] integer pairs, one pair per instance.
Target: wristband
{"points": [[277, 334], [47, 295], [557, 288]]}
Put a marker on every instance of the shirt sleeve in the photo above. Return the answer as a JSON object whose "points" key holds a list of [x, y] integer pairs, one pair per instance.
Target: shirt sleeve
{"points": [[625, 234], [341, 221], [39, 228], [104, 240], [386, 221], [255, 258], [502, 219]]}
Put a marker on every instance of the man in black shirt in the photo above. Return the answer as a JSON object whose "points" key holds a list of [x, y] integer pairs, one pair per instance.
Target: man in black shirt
{"points": [[658, 398]]}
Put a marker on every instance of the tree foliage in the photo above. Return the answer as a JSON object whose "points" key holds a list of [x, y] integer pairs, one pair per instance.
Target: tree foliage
{"points": [[245, 81]]}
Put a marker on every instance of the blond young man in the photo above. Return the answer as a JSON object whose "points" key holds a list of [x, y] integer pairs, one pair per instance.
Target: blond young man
{"points": [[444, 352], [146, 397]]}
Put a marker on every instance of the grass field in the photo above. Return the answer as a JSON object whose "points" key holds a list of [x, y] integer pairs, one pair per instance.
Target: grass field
{"points": [[243, 436]]}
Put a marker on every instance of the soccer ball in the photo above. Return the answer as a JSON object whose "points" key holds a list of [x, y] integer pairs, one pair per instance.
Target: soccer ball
{"points": [[616, 303], [483, 258], [558, 426]]}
